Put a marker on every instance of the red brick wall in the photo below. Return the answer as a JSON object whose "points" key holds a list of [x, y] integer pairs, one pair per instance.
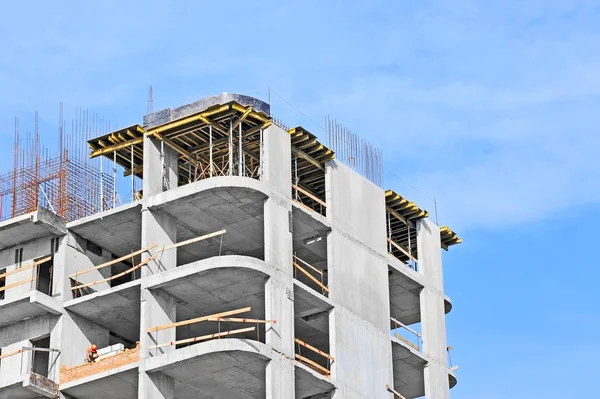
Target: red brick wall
{"points": [[108, 363]]}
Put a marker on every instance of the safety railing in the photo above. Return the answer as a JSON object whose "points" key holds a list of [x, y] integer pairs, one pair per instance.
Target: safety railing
{"points": [[411, 260], [217, 317], [315, 275], [37, 380], [416, 343], [308, 200], [83, 289], [326, 371], [21, 269]]}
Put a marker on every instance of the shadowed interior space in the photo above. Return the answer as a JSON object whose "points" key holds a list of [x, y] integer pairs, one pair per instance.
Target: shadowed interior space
{"points": [[223, 374], [238, 210], [310, 250], [116, 310], [212, 292], [311, 329]]}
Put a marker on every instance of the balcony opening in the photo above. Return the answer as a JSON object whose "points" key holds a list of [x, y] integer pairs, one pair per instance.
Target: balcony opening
{"points": [[221, 303], [100, 268], [40, 358], [311, 331], [310, 251], [309, 157], [401, 218]]}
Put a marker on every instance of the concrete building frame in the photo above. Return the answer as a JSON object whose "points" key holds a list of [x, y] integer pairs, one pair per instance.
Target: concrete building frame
{"points": [[341, 280]]}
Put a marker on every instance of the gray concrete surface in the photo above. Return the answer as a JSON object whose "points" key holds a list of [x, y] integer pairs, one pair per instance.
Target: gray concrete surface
{"points": [[118, 383], [29, 227], [168, 114]]}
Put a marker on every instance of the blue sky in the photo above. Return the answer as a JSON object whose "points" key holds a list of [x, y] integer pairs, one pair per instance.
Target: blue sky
{"points": [[490, 107]]}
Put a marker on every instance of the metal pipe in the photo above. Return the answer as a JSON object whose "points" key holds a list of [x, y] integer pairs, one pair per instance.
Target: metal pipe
{"points": [[132, 177], [230, 148], [240, 152], [101, 186], [210, 145], [260, 152], [114, 179]]}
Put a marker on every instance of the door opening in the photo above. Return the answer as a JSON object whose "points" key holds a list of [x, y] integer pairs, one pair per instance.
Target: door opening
{"points": [[44, 277]]}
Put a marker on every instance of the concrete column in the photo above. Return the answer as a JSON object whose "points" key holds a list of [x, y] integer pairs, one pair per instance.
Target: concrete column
{"points": [[160, 167], [433, 322], [157, 308], [156, 386], [279, 289], [158, 228]]}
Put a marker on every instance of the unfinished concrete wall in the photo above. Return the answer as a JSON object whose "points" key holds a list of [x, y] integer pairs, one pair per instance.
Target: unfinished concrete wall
{"points": [[77, 257], [356, 206], [76, 334], [358, 279], [161, 229], [31, 250], [14, 368], [433, 321]]}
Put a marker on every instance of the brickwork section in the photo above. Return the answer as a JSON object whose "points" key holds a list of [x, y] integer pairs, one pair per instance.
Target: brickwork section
{"points": [[108, 363]]}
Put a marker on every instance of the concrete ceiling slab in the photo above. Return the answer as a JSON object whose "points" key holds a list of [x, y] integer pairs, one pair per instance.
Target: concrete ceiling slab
{"points": [[118, 230], [17, 391], [239, 210], [30, 304], [120, 383], [30, 226], [117, 309], [309, 383], [306, 226], [226, 368], [405, 294]]}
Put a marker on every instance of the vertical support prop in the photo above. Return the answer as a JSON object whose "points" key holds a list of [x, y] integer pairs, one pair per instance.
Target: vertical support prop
{"points": [[260, 164], [230, 147], [210, 144], [240, 152], [132, 177], [115, 179]]}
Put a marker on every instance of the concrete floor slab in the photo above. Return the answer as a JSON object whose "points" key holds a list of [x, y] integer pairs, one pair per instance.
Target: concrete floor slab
{"points": [[118, 383], [30, 304], [452, 379], [408, 366], [118, 230], [117, 309], [226, 368], [310, 383], [29, 227]]}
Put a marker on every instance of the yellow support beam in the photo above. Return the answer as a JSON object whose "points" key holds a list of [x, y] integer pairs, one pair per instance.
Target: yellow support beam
{"points": [[116, 147]]}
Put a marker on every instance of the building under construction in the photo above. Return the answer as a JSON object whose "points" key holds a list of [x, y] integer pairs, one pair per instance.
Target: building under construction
{"points": [[255, 261]]}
